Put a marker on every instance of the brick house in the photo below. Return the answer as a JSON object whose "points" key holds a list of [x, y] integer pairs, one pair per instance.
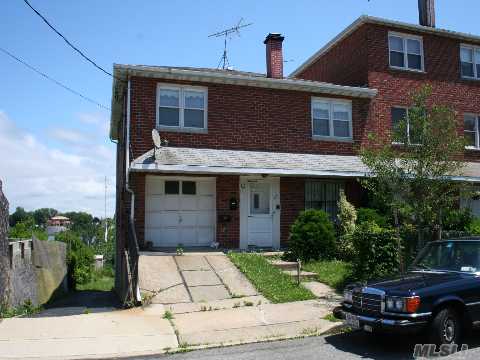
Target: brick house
{"points": [[243, 153]]}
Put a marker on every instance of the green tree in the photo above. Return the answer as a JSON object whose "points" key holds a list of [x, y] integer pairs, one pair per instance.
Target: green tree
{"points": [[42, 215], [414, 178], [347, 216], [84, 224], [18, 216]]}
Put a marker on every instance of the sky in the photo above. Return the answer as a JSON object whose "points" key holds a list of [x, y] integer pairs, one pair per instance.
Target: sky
{"points": [[54, 146]]}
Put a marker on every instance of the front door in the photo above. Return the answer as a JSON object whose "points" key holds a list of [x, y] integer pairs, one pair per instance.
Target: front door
{"points": [[260, 212]]}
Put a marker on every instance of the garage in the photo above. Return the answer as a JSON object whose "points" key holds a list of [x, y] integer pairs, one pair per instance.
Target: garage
{"points": [[179, 210]]}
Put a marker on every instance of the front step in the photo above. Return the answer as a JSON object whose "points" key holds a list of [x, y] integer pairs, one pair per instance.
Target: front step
{"points": [[304, 275], [284, 265]]}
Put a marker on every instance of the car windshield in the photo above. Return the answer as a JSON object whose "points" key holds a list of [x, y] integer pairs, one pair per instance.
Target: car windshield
{"points": [[463, 256]]}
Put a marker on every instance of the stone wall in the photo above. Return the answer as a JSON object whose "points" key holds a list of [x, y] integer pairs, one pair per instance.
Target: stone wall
{"points": [[4, 259]]}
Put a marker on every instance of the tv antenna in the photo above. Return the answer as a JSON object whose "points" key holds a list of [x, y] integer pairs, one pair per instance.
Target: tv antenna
{"points": [[227, 35]]}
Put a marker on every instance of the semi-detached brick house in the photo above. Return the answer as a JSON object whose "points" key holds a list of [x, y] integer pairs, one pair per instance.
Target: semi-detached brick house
{"points": [[243, 153]]}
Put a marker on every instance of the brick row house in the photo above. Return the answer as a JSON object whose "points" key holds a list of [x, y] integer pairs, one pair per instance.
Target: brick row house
{"points": [[243, 153]]}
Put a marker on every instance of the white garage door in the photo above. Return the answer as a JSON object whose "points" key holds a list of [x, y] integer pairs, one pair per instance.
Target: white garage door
{"points": [[179, 211]]}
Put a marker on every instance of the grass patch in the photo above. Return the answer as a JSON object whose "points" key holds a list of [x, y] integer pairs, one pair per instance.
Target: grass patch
{"points": [[330, 317], [334, 273], [26, 309], [269, 280], [168, 315], [102, 280]]}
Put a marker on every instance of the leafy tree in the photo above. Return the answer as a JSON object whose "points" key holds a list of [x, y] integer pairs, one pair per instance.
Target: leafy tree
{"points": [[347, 216], [42, 215], [83, 224], [414, 177], [19, 215], [22, 229]]}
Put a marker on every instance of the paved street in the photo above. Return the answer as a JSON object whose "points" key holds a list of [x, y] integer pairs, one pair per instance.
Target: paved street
{"points": [[334, 347]]}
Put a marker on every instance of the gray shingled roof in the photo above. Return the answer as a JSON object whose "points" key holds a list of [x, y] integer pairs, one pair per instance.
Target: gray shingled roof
{"points": [[214, 161]]}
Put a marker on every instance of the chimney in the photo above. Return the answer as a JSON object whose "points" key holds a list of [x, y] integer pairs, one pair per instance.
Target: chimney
{"points": [[426, 12], [273, 43]]}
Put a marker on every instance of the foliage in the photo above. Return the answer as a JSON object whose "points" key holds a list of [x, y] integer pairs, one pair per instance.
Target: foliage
{"points": [[274, 284], [26, 309], [25, 229], [334, 273], [19, 215], [413, 176], [347, 216], [101, 280], [376, 251], [457, 219], [371, 215], [312, 236], [79, 258], [84, 224], [42, 215], [474, 226], [106, 248]]}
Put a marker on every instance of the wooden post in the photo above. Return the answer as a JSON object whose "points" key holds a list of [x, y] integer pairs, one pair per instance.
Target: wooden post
{"points": [[299, 270]]}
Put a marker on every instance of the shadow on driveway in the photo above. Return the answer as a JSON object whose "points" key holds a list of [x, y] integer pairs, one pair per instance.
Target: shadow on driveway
{"points": [[81, 302], [384, 346]]}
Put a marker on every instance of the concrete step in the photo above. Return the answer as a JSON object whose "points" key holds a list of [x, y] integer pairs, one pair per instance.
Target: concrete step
{"points": [[272, 254], [304, 275], [284, 265]]}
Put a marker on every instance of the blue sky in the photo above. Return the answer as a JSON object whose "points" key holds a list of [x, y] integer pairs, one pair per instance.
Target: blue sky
{"points": [[54, 147]]}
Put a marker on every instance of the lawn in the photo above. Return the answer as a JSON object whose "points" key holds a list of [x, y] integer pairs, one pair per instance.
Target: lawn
{"points": [[270, 281], [334, 273], [102, 280]]}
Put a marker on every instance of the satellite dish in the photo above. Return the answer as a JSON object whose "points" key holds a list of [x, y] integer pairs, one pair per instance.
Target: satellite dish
{"points": [[156, 139]]}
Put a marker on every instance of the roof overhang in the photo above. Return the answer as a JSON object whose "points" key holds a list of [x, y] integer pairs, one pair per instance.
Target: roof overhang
{"points": [[123, 72], [239, 162], [364, 19]]}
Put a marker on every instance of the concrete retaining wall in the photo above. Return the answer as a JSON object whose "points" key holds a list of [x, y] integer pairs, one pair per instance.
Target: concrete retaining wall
{"points": [[4, 260]]}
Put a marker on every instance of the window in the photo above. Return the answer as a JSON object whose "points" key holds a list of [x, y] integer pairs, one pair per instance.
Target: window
{"points": [[400, 114], [471, 131], [172, 187], [331, 119], [182, 107], [189, 187], [470, 61], [323, 195], [406, 51], [259, 198]]}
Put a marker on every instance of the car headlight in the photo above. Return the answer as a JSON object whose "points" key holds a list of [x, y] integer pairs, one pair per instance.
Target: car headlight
{"points": [[402, 304], [348, 296]]}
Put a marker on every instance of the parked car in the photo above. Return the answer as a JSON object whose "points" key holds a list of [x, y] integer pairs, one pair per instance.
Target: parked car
{"points": [[440, 294]]}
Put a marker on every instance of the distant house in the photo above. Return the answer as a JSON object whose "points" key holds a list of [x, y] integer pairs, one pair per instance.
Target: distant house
{"points": [[56, 225], [244, 153]]}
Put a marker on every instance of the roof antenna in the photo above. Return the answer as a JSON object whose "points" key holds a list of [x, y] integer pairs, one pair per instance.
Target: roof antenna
{"points": [[227, 35]]}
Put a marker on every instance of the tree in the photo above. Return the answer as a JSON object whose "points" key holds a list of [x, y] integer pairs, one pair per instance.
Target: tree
{"points": [[414, 177], [42, 215], [347, 216], [18, 216]]}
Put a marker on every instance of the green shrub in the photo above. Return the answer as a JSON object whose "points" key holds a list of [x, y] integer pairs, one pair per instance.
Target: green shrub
{"points": [[474, 226], [312, 236], [345, 248], [376, 251], [371, 215], [347, 215], [457, 219]]}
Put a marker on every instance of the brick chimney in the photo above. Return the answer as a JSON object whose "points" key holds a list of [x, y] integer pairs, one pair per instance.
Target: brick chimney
{"points": [[426, 12], [273, 43]]}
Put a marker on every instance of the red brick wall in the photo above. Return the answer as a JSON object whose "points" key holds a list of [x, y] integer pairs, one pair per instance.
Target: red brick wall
{"points": [[292, 200], [274, 59], [243, 118], [344, 64], [228, 233]]}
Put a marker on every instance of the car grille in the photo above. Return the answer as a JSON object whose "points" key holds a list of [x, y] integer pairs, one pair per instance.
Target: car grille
{"points": [[366, 303]]}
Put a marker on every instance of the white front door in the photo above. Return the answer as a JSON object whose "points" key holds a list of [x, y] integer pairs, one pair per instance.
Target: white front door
{"points": [[179, 210], [260, 212]]}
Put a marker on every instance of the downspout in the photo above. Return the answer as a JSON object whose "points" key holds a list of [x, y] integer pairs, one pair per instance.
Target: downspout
{"points": [[127, 184]]}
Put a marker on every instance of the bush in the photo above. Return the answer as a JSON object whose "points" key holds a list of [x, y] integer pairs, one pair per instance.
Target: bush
{"points": [[347, 215], [457, 219], [371, 215], [80, 258], [376, 251], [312, 236], [474, 226]]}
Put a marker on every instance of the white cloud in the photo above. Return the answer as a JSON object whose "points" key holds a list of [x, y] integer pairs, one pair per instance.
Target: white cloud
{"points": [[36, 175], [68, 136]]}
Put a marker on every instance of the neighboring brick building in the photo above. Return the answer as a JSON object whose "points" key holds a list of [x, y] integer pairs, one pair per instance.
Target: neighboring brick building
{"points": [[243, 153]]}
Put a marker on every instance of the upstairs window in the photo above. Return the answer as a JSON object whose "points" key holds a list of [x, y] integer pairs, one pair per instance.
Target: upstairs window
{"points": [[331, 119], [470, 61], [181, 107], [406, 51], [471, 131], [400, 114]]}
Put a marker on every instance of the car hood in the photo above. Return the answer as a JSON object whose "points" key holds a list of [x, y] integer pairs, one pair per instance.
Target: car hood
{"points": [[414, 281]]}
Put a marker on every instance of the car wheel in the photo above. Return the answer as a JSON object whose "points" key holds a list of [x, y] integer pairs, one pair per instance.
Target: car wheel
{"points": [[446, 327]]}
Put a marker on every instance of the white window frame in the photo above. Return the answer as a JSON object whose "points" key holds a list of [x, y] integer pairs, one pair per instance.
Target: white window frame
{"points": [[405, 38], [331, 102], [476, 75], [181, 106], [477, 131], [407, 109]]}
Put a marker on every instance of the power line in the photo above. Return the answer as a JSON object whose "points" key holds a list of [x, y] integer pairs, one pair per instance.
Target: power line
{"points": [[67, 41], [53, 80]]}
